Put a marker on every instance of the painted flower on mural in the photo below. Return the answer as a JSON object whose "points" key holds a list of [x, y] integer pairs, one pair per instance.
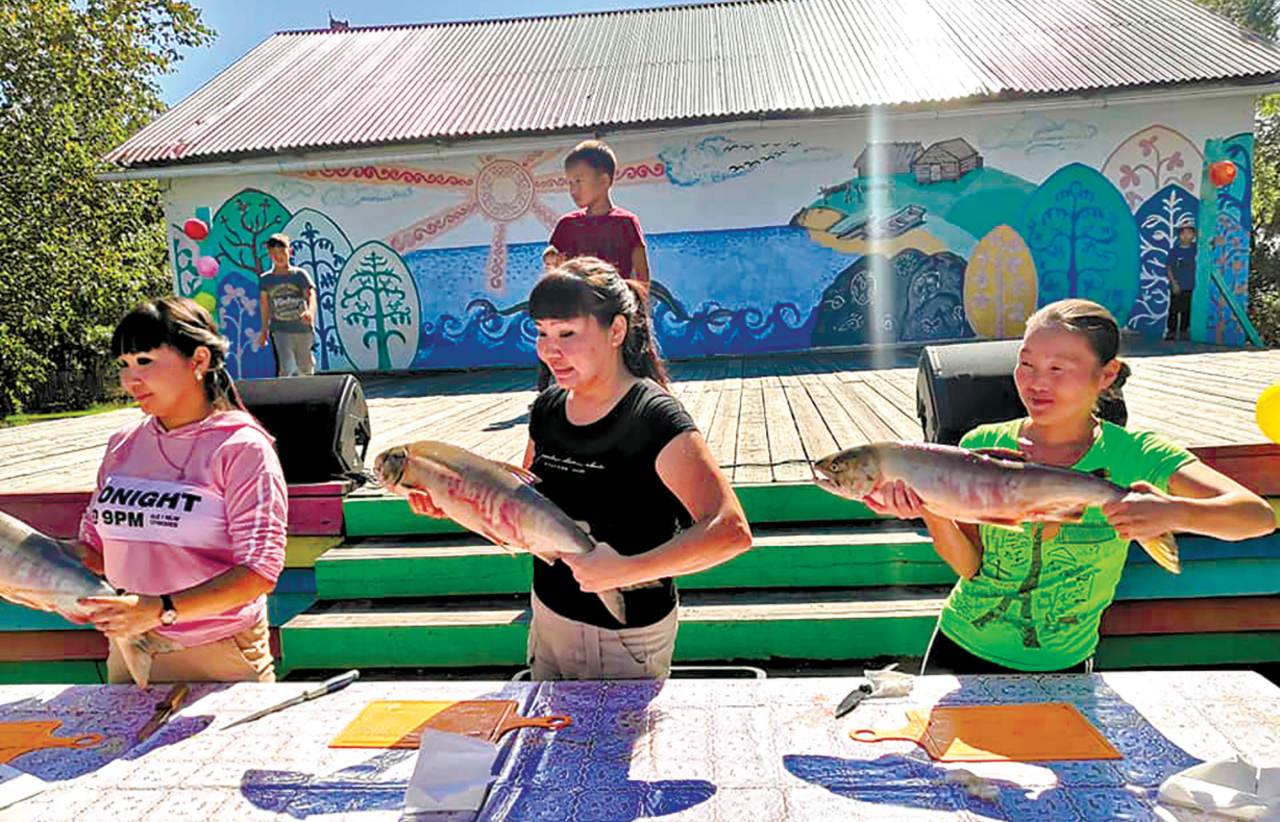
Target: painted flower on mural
{"points": [[1231, 242], [1151, 159], [1158, 220], [499, 190], [237, 311]]}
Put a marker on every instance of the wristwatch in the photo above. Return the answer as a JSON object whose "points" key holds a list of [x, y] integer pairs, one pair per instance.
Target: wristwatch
{"points": [[168, 615]]}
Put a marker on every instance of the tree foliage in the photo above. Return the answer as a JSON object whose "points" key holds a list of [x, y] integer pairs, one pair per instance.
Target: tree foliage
{"points": [[1260, 16], [77, 77]]}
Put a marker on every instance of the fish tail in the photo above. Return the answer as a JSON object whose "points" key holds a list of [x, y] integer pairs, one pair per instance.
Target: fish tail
{"points": [[614, 604], [137, 653], [1164, 550]]}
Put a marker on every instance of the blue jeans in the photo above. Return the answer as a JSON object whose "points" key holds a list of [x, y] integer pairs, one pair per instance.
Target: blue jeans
{"points": [[293, 353]]}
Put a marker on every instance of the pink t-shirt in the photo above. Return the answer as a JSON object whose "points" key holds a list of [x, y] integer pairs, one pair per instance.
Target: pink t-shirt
{"points": [[174, 509], [612, 237]]}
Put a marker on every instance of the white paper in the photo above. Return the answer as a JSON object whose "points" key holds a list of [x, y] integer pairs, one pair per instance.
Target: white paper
{"points": [[1231, 788], [453, 773], [16, 786]]}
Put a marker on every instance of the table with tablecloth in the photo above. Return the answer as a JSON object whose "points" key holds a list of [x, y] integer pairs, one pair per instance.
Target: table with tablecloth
{"points": [[717, 749]]}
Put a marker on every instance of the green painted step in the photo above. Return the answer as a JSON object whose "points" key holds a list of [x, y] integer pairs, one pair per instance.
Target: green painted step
{"points": [[774, 502], [870, 554], [855, 624], [1179, 650], [86, 672]]}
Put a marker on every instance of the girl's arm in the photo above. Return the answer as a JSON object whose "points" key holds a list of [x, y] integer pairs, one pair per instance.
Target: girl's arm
{"points": [[1200, 501], [132, 615], [957, 543], [719, 532]]}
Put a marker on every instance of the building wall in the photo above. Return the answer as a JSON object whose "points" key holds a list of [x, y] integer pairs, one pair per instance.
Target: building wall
{"points": [[760, 240]]}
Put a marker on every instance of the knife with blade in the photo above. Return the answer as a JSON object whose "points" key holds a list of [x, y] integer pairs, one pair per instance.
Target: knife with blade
{"points": [[336, 683], [166, 709]]}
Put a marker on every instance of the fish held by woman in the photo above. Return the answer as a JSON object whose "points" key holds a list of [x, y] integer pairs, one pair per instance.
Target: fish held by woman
{"points": [[37, 571], [493, 499], [990, 487]]}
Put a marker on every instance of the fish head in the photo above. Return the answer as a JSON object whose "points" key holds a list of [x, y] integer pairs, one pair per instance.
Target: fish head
{"points": [[852, 473], [389, 466]]}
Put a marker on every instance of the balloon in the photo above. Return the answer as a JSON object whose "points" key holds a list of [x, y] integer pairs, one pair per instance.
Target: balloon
{"points": [[207, 301], [208, 267], [196, 229], [1268, 413], [1222, 172]]}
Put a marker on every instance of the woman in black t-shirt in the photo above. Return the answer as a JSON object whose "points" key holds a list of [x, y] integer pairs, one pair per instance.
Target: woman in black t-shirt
{"points": [[621, 455]]}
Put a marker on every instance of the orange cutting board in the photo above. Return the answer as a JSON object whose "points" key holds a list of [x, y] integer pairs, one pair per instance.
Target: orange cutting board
{"points": [[400, 724], [1000, 733], [18, 738]]}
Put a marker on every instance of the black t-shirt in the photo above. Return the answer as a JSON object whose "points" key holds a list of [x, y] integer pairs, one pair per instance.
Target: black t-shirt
{"points": [[605, 473]]}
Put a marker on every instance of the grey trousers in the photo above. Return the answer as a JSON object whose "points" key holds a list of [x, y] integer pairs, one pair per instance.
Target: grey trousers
{"points": [[293, 353], [561, 648]]}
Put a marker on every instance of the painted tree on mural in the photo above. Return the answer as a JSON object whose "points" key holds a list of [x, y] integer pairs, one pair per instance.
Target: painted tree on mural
{"points": [[1083, 240], [241, 226], [1158, 219], [320, 247], [375, 299]]}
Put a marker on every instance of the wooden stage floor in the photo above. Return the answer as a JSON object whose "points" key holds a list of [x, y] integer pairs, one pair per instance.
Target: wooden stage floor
{"points": [[765, 418]]}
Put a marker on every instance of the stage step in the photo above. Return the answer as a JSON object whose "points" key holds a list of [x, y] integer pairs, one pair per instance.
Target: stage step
{"points": [[869, 554], [812, 625]]}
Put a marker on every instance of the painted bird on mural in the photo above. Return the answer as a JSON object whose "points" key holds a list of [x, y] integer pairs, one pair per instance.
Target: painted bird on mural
{"points": [[992, 486], [39, 572], [493, 499]]}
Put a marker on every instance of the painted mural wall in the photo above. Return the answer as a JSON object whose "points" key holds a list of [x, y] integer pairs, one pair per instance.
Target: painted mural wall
{"points": [[868, 232]]}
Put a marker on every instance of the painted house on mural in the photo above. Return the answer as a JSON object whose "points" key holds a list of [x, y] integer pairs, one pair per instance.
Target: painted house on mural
{"points": [[1028, 153]]}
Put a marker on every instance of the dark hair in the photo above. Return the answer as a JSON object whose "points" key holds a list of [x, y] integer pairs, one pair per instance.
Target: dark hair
{"points": [[1102, 333], [278, 241], [595, 153], [184, 325], [588, 287]]}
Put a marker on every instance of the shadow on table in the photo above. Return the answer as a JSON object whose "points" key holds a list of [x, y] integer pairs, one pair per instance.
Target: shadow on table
{"points": [[580, 772], [116, 714], [1054, 790]]}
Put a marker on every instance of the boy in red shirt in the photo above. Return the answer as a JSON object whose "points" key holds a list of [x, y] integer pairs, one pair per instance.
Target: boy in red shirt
{"points": [[598, 228]]}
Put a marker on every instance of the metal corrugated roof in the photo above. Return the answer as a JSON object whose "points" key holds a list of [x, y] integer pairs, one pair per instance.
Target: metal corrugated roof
{"points": [[321, 89]]}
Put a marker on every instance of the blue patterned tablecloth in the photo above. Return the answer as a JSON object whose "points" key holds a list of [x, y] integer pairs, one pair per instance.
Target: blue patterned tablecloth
{"points": [[727, 750]]}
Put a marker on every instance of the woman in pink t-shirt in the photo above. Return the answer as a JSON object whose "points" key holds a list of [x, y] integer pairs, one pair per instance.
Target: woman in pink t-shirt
{"points": [[190, 507]]}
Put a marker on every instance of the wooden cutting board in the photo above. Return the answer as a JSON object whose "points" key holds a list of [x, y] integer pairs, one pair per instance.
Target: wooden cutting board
{"points": [[1000, 733], [18, 738], [400, 724]]}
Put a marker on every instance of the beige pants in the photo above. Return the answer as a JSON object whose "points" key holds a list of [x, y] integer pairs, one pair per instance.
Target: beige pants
{"points": [[561, 648], [245, 656]]}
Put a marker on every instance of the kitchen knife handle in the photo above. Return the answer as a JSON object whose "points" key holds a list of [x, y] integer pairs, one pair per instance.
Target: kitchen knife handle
{"points": [[332, 684]]}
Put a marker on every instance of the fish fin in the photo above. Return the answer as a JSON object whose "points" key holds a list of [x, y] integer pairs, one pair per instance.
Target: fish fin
{"points": [[614, 604], [1005, 524], [1164, 550], [1072, 515], [523, 474], [1002, 454], [442, 467], [1100, 473], [136, 658]]}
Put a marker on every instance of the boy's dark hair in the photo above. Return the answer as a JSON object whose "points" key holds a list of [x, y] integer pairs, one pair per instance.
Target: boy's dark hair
{"points": [[278, 241], [595, 153]]}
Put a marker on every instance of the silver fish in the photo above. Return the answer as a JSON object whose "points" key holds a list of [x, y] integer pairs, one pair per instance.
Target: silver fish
{"points": [[991, 486], [493, 499], [39, 572]]}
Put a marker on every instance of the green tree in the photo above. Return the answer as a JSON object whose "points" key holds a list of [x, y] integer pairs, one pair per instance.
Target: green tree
{"points": [[77, 77], [1260, 17]]}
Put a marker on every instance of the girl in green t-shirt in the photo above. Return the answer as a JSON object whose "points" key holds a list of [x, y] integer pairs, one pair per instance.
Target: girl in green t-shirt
{"points": [[1031, 600]]}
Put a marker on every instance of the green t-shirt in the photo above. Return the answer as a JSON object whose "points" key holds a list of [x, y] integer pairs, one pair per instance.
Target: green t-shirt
{"points": [[1035, 603]]}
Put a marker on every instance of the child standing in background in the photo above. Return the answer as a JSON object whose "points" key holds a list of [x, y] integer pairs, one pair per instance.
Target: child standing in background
{"points": [[598, 228], [1181, 271]]}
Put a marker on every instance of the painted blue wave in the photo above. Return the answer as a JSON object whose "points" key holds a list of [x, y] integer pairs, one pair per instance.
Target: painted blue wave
{"points": [[714, 329], [484, 337]]}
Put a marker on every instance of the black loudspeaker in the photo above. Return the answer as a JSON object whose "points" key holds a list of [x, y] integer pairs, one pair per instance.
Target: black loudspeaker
{"points": [[964, 385], [321, 424]]}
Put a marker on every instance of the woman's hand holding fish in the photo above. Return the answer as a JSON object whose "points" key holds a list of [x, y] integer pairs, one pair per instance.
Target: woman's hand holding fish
{"points": [[420, 503], [1144, 513], [124, 615], [602, 569], [895, 499]]}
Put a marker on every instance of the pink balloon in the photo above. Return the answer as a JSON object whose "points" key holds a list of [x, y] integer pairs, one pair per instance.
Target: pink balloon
{"points": [[208, 267], [196, 229]]}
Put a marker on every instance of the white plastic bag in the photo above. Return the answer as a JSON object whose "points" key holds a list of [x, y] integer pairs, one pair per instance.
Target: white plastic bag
{"points": [[1230, 788], [888, 682]]}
